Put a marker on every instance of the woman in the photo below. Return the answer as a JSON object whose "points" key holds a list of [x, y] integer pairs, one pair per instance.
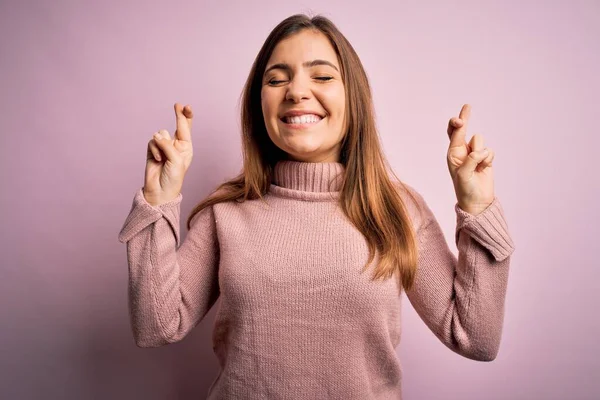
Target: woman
{"points": [[286, 244]]}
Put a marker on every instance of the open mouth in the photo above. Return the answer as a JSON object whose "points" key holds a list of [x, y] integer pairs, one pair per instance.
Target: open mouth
{"points": [[302, 121]]}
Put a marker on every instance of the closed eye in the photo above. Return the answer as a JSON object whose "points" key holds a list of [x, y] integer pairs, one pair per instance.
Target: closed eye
{"points": [[320, 78]]}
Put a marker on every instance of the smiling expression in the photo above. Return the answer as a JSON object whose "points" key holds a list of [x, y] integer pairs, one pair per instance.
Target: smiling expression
{"points": [[303, 98]]}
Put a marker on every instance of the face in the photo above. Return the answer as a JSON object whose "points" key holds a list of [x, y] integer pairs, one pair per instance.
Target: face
{"points": [[303, 98]]}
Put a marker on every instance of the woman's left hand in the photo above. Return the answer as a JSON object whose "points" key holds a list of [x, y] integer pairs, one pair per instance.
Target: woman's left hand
{"points": [[470, 166]]}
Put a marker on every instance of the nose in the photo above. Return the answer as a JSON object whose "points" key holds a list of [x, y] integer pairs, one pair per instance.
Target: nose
{"points": [[297, 90]]}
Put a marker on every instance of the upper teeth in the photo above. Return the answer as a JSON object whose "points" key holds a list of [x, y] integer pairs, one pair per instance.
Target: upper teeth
{"points": [[303, 119]]}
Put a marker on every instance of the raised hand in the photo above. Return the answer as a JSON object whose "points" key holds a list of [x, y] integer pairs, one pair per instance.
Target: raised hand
{"points": [[470, 166], [168, 159]]}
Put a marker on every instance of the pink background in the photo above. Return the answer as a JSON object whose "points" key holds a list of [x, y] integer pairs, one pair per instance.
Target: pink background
{"points": [[83, 87]]}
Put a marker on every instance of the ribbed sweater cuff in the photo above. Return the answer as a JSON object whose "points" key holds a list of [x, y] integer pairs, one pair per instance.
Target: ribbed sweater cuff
{"points": [[489, 228], [143, 214]]}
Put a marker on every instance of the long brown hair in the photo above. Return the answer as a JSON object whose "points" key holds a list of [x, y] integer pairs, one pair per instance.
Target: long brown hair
{"points": [[368, 196]]}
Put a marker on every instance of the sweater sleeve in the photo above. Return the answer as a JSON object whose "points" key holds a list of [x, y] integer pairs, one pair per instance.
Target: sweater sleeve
{"points": [[171, 286], [461, 299]]}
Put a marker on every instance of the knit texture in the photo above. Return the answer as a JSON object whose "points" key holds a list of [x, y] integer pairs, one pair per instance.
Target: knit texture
{"points": [[297, 318]]}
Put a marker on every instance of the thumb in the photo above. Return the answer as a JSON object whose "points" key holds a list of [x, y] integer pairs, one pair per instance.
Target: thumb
{"points": [[474, 158], [167, 147]]}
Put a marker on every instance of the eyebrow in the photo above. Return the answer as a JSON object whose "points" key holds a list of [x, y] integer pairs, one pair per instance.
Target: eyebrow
{"points": [[307, 64]]}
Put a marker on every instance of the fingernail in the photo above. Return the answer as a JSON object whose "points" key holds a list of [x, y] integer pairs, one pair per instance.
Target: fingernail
{"points": [[157, 136]]}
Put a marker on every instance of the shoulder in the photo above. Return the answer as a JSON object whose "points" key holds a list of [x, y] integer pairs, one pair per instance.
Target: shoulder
{"points": [[414, 203], [202, 217]]}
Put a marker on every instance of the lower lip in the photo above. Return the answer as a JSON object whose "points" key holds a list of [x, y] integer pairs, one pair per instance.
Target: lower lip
{"points": [[301, 126]]}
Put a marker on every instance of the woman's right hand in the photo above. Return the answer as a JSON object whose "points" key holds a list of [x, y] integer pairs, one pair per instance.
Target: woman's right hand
{"points": [[168, 159]]}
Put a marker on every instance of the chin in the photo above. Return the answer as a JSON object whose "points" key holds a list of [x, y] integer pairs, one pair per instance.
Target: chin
{"points": [[302, 154], [307, 155], [304, 146]]}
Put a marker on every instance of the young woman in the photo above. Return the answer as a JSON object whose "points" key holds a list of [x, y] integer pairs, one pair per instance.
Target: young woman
{"points": [[287, 244]]}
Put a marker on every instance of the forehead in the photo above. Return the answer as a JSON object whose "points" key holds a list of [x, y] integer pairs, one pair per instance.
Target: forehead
{"points": [[306, 45]]}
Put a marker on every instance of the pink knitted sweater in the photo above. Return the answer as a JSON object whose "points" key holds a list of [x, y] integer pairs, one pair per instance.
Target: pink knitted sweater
{"points": [[297, 319]]}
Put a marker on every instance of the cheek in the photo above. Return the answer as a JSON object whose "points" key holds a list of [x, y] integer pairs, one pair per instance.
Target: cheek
{"points": [[334, 100], [341, 99], [264, 102], [269, 103]]}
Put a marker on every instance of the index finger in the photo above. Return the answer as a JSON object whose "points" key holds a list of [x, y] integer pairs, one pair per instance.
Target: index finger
{"points": [[183, 117], [457, 135]]}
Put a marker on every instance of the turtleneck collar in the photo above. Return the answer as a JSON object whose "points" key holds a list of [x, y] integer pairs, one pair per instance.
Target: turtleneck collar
{"points": [[305, 180]]}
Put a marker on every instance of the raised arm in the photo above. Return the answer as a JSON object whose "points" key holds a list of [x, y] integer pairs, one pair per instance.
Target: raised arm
{"points": [[171, 287], [462, 299]]}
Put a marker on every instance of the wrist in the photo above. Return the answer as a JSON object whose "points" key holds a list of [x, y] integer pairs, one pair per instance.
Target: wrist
{"points": [[472, 209]]}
